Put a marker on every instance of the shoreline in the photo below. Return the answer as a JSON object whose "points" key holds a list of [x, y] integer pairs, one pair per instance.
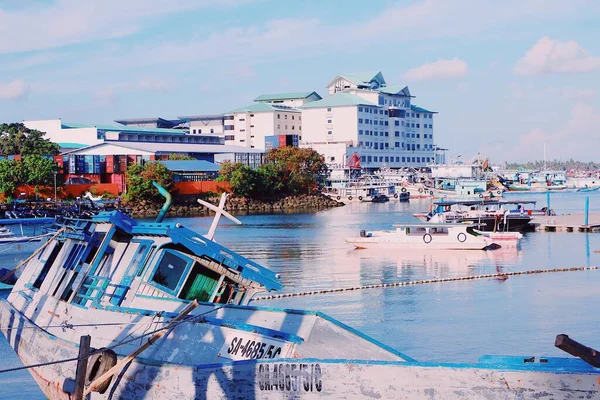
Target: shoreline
{"points": [[235, 205]]}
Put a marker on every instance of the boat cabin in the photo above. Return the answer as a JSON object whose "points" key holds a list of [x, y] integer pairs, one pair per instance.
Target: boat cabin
{"points": [[113, 261]]}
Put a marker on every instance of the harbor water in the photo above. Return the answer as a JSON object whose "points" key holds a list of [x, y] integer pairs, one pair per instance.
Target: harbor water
{"points": [[452, 322]]}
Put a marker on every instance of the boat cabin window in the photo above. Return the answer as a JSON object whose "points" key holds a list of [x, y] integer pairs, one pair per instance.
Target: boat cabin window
{"points": [[47, 265], [170, 270]]}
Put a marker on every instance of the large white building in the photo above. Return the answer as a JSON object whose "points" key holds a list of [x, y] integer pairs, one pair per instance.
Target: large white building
{"points": [[377, 122]]}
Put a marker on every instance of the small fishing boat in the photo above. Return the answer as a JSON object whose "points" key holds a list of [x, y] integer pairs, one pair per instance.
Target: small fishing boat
{"points": [[589, 189], [168, 314], [445, 236], [511, 239]]}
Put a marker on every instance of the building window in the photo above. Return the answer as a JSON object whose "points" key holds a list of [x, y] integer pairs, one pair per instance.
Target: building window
{"points": [[359, 109], [397, 144], [328, 108], [362, 158], [387, 159], [376, 133], [328, 121], [292, 117], [418, 135], [211, 131], [380, 112], [387, 145], [242, 140], [418, 159], [381, 123], [228, 127], [403, 159], [418, 126], [386, 123], [397, 133], [242, 130], [380, 158], [387, 133], [278, 116], [194, 131], [229, 137], [242, 119], [413, 159], [286, 127], [278, 126], [360, 121], [292, 127], [397, 123], [285, 116], [418, 116], [329, 132], [369, 159], [360, 132], [386, 112]]}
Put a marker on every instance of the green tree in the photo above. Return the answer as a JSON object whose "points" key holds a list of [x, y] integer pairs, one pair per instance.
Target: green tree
{"points": [[244, 181], [16, 138], [139, 181], [38, 170], [11, 176], [179, 156], [299, 169]]}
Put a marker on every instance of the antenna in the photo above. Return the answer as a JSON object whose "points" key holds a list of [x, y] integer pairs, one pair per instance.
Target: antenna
{"points": [[220, 210]]}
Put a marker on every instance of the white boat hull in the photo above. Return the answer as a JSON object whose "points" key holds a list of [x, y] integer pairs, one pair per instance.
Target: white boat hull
{"points": [[391, 240], [491, 378]]}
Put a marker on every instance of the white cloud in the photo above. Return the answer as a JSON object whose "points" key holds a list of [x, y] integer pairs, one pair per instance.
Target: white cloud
{"points": [[440, 69], [154, 84], [577, 139], [13, 90], [242, 71], [64, 22], [550, 55]]}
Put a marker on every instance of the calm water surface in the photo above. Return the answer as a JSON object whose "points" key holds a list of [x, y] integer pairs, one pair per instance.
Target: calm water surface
{"points": [[456, 321]]}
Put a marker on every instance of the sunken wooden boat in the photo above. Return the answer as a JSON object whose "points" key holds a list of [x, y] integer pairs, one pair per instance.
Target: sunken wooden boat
{"points": [[121, 281]]}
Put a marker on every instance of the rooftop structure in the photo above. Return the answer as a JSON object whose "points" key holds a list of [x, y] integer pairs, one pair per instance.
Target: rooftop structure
{"points": [[154, 122], [89, 134], [375, 121]]}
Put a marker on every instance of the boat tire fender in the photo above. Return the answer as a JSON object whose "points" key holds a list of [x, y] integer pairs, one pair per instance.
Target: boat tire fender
{"points": [[420, 190], [349, 197], [499, 192], [360, 198], [395, 195], [100, 362], [461, 237], [431, 192], [481, 195], [339, 198], [427, 238]]}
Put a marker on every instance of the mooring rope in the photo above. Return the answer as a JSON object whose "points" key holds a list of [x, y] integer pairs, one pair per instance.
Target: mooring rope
{"points": [[423, 282]]}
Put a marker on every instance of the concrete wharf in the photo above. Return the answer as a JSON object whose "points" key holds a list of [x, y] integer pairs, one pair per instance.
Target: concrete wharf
{"points": [[568, 223]]}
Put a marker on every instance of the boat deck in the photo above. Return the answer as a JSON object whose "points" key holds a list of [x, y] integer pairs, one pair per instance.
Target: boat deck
{"points": [[568, 223]]}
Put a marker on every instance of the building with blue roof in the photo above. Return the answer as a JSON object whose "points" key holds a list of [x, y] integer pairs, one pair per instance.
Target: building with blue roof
{"points": [[60, 131], [365, 116]]}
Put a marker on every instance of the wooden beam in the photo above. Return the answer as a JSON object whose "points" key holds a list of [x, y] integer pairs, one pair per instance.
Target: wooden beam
{"points": [[84, 352]]}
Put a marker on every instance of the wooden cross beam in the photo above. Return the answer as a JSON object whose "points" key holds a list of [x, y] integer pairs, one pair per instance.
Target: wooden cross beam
{"points": [[220, 210]]}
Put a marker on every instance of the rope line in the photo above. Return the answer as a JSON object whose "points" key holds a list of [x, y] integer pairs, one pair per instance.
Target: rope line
{"points": [[170, 327], [424, 282]]}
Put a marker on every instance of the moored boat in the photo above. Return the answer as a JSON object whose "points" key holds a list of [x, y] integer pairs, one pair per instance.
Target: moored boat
{"points": [[423, 235]]}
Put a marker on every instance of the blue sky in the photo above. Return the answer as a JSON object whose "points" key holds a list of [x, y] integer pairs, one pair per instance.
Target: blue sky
{"points": [[506, 76]]}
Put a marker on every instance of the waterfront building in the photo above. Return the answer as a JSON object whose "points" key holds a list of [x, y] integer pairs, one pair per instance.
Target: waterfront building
{"points": [[59, 131], [294, 100], [367, 117]]}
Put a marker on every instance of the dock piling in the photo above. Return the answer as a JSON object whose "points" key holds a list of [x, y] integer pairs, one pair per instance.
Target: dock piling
{"points": [[587, 211], [548, 203]]}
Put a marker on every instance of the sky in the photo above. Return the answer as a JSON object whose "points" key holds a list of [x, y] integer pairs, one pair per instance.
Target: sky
{"points": [[508, 77]]}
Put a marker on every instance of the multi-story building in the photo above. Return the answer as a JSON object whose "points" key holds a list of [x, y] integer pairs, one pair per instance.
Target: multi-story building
{"points": [[250, 125], [377, 122]]}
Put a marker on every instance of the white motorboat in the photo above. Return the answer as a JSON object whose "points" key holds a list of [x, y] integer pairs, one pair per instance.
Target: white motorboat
{"points": [[445, 236]]}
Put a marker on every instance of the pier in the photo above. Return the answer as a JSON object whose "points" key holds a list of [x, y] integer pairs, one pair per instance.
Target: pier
{"points": [[568, 223]]}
